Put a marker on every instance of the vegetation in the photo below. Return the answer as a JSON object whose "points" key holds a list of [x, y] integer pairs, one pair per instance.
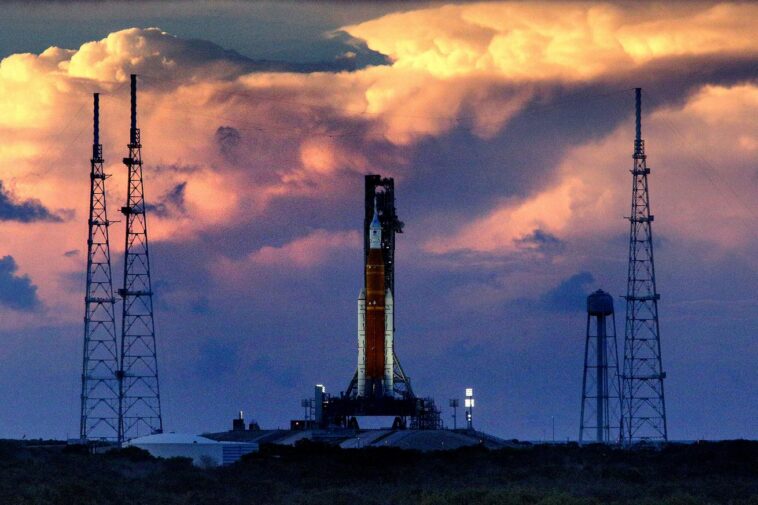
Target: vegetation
{"points": [[719, 472]]}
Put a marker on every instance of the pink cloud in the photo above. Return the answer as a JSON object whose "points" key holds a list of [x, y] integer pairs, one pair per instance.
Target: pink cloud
{"points": [[303, 253], [308, 251], [702, 153]]}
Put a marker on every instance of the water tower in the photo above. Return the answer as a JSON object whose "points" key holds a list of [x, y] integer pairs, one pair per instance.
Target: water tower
{"points": [[600, 416]]}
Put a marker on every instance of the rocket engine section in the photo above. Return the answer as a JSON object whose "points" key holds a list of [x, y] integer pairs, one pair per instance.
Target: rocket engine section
{"points": [[375, 324]]}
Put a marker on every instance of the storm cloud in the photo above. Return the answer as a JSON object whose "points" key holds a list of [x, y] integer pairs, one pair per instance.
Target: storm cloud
{"points": [[571, 294], [24, 211], [16, 291]]}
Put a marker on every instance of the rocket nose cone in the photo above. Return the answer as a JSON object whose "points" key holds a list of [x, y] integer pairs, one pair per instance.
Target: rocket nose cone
{"points": [[362, 294]]}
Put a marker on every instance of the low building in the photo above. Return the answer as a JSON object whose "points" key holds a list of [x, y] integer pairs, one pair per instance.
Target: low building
{"points": [[203, 451]]}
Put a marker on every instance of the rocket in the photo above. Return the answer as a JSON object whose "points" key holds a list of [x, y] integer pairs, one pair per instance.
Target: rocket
{"points": [[376, 330]]}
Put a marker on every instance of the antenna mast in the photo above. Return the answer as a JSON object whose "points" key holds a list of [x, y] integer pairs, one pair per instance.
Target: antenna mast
{"points": [[100, 389], [643, 416], [139, 393]]}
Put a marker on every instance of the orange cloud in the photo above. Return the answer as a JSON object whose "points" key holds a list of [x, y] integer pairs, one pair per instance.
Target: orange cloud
{"points": [[566, 41], [697, 151]]}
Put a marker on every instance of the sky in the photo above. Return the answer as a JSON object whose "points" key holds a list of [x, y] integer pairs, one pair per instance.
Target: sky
{"points": [[508, 127]]}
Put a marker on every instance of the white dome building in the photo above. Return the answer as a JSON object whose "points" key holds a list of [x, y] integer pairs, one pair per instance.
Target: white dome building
{"points": [[203, 451]]}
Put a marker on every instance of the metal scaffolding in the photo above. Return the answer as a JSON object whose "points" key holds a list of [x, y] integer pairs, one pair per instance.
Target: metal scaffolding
{"points": [[99, 419], [642, 399], [139, 393]]}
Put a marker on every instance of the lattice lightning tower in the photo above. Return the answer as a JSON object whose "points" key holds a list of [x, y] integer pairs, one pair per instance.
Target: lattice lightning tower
{"points": [[139, 398], [100, 389], [642, 401]]}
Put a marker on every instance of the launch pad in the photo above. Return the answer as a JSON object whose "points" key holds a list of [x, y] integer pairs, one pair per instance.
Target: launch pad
{"points": [[379, 386], [342, 411]]}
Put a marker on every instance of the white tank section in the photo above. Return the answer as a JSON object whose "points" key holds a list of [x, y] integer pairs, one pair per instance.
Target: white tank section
{"points": [[362, 342], [389, 344]]}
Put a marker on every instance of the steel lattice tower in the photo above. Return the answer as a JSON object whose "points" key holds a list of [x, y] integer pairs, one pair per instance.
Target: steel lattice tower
{"points": [[600, 413], [643, 415], [139, 393], [99, 418]]}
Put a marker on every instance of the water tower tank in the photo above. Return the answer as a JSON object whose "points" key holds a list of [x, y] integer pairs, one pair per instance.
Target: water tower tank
{"points": [[600, 303], [600, 412]]}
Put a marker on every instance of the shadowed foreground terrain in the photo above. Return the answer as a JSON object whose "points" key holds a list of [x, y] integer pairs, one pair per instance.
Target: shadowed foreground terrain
{"points": [[719, 472]]}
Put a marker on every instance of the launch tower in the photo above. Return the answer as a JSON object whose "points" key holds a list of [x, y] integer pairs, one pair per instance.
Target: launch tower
{"points": [[99, 419], [642, 401], [379, 386], [380, 225], [139, 394]]}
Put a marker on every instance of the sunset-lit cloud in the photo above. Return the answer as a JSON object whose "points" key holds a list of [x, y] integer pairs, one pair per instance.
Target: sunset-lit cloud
{"points": [[300, 258], [542, 41], [304, 252], [471, 66], [591, 188]]}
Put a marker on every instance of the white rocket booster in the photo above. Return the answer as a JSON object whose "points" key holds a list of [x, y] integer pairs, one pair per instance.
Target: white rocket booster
{"points": [[362, 342], [389, 344], [376, 330]]}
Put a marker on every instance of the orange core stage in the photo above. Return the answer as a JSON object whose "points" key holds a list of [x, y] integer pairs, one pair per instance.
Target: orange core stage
{"points": [[375, 318]]}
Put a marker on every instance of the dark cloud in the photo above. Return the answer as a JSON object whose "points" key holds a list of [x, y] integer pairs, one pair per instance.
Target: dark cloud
{"points": [[282, 374], [570, 295], [176, 168], [460, 166], [71, 253], [356, 54], [350, 54], [170, 203], [200, 306], [542, 242], [228, 139], [217, 360], [26, 211], [16, 291], [671, 81], [196, 57]]}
